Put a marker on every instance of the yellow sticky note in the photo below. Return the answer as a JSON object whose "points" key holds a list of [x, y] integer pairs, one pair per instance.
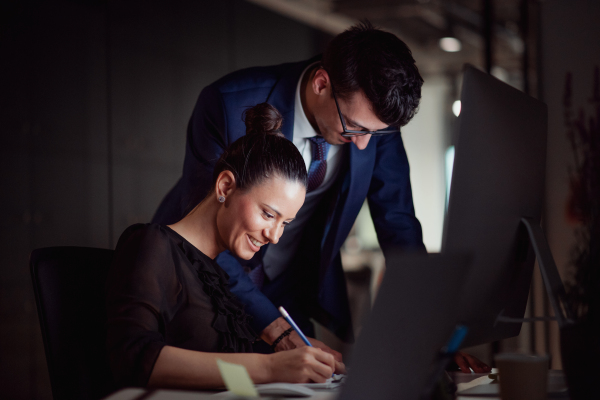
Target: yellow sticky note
{"points": [[236, 379]]}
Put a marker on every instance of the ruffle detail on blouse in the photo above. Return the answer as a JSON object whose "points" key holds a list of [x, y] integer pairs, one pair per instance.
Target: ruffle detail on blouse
{"points": [[231, 321]]}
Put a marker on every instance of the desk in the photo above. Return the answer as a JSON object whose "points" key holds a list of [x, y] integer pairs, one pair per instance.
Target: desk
{"points": [[555, 379], [556, 385], [142, 394]]}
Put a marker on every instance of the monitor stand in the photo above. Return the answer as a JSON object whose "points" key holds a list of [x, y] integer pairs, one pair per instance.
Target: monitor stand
{"points": [[552, 281]]}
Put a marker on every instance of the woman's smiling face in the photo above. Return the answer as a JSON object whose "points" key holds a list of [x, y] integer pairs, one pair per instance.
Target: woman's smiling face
{"points": [[256, 216]]}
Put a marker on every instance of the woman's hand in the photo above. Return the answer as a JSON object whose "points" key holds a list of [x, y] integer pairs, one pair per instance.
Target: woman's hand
{"points": [[340, 367], [294, 341], [301, 365]]}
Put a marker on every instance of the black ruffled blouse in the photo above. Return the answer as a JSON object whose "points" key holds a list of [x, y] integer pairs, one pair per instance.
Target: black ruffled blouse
{"points": [[161, 290]]}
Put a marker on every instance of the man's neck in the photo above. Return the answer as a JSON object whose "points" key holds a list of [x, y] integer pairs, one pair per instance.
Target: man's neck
{"points": [[306, 96]]}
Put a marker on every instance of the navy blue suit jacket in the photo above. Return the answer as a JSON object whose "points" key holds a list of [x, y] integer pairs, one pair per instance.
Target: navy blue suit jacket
{"points": [[314, 285]]}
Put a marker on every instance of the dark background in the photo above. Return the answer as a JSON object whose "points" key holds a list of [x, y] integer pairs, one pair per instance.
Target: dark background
{"points": [[95, 99]]}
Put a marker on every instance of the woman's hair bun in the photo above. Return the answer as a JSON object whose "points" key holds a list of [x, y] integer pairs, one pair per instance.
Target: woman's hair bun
{"points": [[263, 118], [263, 152]]}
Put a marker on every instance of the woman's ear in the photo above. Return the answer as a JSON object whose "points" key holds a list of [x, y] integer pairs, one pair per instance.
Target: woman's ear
{"points": [[225, 185]]}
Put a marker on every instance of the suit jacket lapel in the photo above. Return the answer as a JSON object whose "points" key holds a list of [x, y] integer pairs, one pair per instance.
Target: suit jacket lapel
{"points": [[354, 189]]}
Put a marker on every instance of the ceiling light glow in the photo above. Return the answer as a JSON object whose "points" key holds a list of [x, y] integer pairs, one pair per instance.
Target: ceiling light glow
{"points": [[456, 108], [450, 44]]}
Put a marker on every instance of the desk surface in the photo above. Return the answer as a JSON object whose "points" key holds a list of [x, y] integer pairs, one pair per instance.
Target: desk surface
{"points": [[557, 386], [142, 394], [555, 378]]}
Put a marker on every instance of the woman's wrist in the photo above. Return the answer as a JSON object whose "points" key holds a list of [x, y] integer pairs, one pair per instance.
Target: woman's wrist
{"points": [[265, 371]]}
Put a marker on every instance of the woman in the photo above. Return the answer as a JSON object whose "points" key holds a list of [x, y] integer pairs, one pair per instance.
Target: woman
{"points": [[170, 313]]}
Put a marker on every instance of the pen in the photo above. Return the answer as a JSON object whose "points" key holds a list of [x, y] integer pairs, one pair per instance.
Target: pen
{"points": [[460, 331], [290, 321]]}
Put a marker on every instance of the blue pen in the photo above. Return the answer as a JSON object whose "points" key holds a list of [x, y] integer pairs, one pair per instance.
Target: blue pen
{"points": [[444, 357], [455, 340], [290, 321]]}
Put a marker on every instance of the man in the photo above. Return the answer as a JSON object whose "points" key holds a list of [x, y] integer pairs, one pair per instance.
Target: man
{"points": [[343, 113]]}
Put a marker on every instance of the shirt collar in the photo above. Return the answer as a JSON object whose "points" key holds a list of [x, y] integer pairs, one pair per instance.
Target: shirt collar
{"points": [[302, 128]]}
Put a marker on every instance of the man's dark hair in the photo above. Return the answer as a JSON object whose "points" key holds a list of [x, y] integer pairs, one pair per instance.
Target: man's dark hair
{"points": [[380, 64], [263, 152]]}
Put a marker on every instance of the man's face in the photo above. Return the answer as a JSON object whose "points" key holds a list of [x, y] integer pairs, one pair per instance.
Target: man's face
{"points": [[357, 112]]}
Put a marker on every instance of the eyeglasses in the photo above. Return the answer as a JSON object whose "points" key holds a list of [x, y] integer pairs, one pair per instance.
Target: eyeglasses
{"points": [[351, 133]]}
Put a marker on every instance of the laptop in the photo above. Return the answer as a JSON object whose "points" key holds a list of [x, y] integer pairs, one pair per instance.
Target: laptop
{"points": [[413, 317]]}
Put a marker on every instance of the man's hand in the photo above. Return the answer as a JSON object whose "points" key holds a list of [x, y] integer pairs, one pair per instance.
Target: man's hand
{"points": [[466, 362], [293, 341]]}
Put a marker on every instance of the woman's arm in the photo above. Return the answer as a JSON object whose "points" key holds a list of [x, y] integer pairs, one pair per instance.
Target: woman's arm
{"points": [[188, 369]]}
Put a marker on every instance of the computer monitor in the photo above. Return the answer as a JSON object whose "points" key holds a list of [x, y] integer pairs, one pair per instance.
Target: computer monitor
{"points": [[497, 179]]}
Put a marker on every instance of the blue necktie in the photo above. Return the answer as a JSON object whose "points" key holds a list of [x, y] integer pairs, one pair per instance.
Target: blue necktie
{"points": [[318, 165]]}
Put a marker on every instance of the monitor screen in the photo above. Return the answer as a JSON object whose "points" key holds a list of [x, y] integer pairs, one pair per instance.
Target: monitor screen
{"points": [[497, 178]]}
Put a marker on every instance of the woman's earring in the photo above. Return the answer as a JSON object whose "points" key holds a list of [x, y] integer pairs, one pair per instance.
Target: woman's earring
{"points": [[221, 199]]}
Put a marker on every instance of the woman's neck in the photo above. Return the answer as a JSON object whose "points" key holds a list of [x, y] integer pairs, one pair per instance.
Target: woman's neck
{"points": [[199, 228]]}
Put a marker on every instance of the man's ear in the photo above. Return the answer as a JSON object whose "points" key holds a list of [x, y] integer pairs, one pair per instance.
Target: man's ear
{"points": [[225, 184], [320, 81]]}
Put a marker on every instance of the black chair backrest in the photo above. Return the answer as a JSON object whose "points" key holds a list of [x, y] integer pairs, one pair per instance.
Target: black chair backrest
{"points": [[69, 291]]}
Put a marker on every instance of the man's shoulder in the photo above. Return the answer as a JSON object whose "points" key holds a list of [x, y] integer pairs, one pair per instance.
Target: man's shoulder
{"points": [[254, 77]]}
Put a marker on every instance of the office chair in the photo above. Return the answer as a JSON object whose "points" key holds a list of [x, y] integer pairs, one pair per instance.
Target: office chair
{"points": [[69, 291]]}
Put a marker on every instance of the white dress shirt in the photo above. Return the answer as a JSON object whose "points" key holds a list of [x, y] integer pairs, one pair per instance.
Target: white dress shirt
{"points": [[278, 256]]}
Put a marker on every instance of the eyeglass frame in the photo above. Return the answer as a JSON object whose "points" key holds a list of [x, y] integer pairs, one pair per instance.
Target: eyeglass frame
{"points": [[352, 133]]}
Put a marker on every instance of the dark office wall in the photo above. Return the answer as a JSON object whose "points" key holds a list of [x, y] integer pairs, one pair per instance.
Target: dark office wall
{"points": [[569, 36], [94, 102]]}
